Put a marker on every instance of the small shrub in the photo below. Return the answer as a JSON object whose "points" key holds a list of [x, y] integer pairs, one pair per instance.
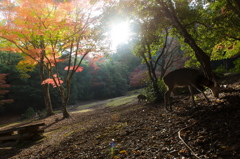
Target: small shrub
{"points": [[162, 88], [28, 114], [220, 71], [236, 69], [149, 91], [43, 112]]}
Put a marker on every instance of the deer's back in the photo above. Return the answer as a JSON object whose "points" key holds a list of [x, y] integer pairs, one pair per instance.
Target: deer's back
{"points": [[184, 77]]}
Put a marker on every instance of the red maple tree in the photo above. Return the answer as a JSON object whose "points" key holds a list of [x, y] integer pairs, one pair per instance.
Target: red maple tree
{"points": [[47, 32]]}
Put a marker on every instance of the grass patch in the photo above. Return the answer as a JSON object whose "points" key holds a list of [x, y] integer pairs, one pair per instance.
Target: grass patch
{"points": [[83, 111], [121, 101], [136, 91], [85, 106], [68, 134]]}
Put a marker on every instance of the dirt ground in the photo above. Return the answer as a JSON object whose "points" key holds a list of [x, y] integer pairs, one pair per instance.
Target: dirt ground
{"points": [[133, 131]]}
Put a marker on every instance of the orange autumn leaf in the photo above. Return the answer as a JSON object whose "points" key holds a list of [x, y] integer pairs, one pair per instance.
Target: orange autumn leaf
{"points": [[124, 152], [76, 68], [51, 81]]}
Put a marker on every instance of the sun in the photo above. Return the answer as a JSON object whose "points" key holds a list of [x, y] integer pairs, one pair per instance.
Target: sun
{"points": [[120, 33]]}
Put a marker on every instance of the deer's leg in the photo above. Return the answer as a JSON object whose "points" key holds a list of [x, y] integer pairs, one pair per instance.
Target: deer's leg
{"points": [[205, 96], [201, 89], [167, 99], [191, 92]]}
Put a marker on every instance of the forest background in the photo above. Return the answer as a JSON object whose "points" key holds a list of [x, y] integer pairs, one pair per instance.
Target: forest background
{"points": [[108, 79]]}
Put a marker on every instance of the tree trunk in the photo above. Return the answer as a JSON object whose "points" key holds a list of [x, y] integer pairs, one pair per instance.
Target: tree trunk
{"points": [[65, 111], [201, 56], [47, 98], [65, 98], [153, 78], [64, 108], [157, 92]]}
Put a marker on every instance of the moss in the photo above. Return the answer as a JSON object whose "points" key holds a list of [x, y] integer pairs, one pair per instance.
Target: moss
{"points": [[85, 106], [68, 134], [136, 91], [83, 111], [121, 101]]}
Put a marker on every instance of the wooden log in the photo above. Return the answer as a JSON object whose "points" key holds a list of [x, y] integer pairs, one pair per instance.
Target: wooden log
{"points": [[11, 137], [23, 137], [7, 132], [6, 135], [23, 133], [30, 128], [29, 135]]}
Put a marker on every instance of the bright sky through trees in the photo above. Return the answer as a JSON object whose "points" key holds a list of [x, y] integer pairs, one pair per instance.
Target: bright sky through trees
{"points": [[120, 33]]}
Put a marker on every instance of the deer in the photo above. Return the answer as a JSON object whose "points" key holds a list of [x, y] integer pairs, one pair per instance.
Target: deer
{"points": [[141, 98], [191, 78]]}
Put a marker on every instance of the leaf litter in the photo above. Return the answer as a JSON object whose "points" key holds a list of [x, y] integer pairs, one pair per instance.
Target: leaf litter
{"points": [[130, 131]]}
